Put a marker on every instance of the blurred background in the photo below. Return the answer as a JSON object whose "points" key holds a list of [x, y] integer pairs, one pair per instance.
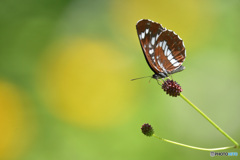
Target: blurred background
{"points": [[65, 70]]}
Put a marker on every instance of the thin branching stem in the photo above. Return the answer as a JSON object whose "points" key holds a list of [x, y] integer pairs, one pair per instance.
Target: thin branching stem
{"points": [[193, 147], [209, 120]]}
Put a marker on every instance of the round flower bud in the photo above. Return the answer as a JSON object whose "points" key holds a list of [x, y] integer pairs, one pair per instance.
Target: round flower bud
{"points": [[147, 129], [172, 88]]}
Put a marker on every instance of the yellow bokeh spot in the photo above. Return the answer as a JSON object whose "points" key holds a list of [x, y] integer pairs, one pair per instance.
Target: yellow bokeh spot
{"points": [[15, 128], [190, 19], [85, 83]]}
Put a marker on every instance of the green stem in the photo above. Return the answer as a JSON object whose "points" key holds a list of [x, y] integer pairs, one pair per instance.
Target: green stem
{"points": [[209, 120], [193, 147]]}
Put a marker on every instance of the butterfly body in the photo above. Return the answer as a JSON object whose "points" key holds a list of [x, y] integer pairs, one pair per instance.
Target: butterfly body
{"points": [[163, 49], [159, 75]]}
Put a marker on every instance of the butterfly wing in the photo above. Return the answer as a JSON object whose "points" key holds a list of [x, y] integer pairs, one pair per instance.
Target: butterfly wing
{"points": [[174, 51], [163, 49], [148, 33]]}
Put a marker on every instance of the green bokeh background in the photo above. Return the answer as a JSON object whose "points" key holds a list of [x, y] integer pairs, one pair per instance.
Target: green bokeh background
{"points": [[65, 70]]}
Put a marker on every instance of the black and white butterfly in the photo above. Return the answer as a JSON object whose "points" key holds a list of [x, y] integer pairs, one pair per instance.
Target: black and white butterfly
{"points": [[163, 49]]}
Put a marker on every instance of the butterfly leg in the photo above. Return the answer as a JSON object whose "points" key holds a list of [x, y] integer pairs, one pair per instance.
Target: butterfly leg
{"points": [[149, 80], [161, 80], [158, 82]]}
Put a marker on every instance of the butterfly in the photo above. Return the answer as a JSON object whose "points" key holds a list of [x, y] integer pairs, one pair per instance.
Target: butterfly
{"points": [[163, 49]]}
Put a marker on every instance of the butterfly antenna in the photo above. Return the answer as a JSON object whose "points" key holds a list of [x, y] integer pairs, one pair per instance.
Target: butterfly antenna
{"points": [[139, 78]]}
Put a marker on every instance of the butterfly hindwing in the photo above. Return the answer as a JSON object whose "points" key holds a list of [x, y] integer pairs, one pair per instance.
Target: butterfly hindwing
{"points": [[173, 49]]}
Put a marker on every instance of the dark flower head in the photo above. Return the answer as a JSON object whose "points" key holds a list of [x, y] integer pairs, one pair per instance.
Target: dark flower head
{"points": [[147, 130], [172, 88]]}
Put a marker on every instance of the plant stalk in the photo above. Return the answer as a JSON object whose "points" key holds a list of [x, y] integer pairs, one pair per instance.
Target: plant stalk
{"points": [[209, 120], [193, 147]]}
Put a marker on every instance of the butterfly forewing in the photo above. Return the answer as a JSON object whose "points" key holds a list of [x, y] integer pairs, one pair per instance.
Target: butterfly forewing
{"points": [[148, 33], [163, 49]]}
